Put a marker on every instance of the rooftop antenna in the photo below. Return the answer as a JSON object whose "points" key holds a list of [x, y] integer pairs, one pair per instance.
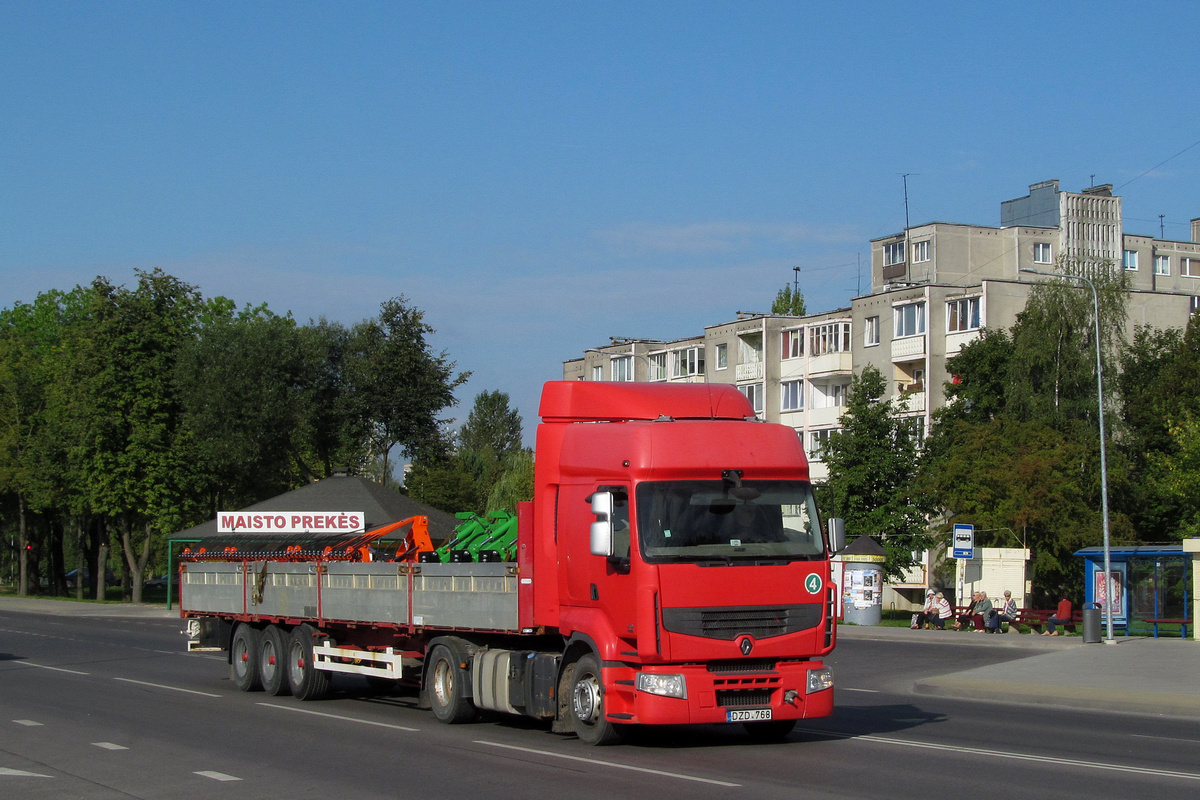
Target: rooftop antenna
{"points": [[1093, 180], [1161, 234], [795, 280], [905, 177]]}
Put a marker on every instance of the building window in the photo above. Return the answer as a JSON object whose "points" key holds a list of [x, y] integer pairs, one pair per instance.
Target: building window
{"points": [[658, 366], [1195, 304], [687, 362], [920, 251], [754, 393], [793, 343], [871, 331], [792, 396], [910, 320], [597, 373], [818, 441], [722, 356], [1189, 267], [1129, 260], [962, 315], [829, 395], [1041, 253], [893, 254], [831, 338], [622, 368], [1162, 265]]}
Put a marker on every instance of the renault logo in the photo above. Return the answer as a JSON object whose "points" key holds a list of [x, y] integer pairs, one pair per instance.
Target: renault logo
{"points": [[746, 645]]}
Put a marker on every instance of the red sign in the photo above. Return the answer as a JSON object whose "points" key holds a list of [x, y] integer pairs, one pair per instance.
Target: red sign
{"points": [[291, 522]]}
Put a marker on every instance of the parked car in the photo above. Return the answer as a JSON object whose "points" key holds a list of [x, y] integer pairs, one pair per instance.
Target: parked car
{"points": [[110, 578], [157, 583]]}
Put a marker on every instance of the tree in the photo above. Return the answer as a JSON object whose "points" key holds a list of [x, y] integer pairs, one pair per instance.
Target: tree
{"points": [[872, 463], [789, 301], [399, 385]]}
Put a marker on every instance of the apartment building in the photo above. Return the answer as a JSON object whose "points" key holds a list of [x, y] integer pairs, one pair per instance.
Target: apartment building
{"points": [[934, 287]]}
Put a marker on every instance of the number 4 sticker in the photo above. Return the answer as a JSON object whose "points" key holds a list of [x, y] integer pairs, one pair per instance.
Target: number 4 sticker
{"points": [[812, 583]]}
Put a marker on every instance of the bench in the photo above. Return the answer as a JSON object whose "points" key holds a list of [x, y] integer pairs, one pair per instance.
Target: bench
{"points": [[1035, 619], [1182, 623]]}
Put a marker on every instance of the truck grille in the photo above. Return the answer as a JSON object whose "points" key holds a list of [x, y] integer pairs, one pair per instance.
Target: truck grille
{"points": [[742, 699], [740, 667], [761, 622]]}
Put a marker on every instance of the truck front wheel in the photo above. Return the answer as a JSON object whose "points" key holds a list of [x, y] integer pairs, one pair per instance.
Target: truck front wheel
{"points": [[587, 704], [444, 683], [243, 664]]}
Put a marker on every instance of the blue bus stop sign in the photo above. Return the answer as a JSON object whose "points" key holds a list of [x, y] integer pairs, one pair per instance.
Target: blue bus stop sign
{"points": [[964, 541]]}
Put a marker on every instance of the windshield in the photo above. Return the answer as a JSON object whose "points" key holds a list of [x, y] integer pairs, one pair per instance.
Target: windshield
{"points": [[716, 520]]}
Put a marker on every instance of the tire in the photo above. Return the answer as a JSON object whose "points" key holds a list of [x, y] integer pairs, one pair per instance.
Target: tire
{"points": [[587, 704], [243, 658], [775, 730], [305, 680], [272, 661], [445, 682]]}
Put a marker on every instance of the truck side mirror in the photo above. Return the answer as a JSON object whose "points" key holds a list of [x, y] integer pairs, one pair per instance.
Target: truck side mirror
{"points": [[602, 529], [837, 535]]}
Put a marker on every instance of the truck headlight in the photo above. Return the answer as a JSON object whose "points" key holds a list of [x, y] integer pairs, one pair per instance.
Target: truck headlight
{"points": [[665, 685], [820, 680]]}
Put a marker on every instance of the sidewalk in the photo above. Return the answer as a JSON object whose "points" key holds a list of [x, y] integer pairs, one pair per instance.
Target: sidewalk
{"points": [[1135, 675], [75, 608]]}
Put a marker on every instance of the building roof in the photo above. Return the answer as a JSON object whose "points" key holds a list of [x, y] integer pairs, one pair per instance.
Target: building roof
{"points": [[378, 504]]}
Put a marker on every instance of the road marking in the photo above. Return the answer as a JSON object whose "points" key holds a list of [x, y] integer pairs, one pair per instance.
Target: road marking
{"points": [[867, 691], [1165, 738], [340, 717], [20, 773], [109, 746], [55, 669], [613, 765], [216, 776], [164, 686], [29, 723], [1063, 762]]}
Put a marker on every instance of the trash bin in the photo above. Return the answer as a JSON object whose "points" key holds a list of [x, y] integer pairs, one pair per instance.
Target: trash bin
{"points": [[1091, 624]]}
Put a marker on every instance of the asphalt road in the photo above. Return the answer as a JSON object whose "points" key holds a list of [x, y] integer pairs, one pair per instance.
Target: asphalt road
{"points": [[112, 708]]}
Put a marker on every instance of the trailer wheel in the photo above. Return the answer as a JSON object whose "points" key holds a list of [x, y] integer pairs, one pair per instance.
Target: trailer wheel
{"points": [[587, 704], [243, 653], [775, 730], [272, 661], [444, 683], [306, 681]]}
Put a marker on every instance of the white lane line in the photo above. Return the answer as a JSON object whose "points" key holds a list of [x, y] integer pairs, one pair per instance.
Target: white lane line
{"points": [[55, 669], [611, 764], [867, 691], [1164, 738], [109, 746], [164, 686], [216, 776], [1062, 762], [28, 723], [20, 773], [339, 717]]}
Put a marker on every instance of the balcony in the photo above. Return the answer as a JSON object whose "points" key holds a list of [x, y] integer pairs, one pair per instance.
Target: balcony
{"points": [[956, 341], [831, 363], [749, 372], [911, 402], [908, 348]]}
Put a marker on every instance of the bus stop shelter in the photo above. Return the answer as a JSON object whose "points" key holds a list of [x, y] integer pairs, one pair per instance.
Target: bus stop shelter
{"points": [[1151, 585]]}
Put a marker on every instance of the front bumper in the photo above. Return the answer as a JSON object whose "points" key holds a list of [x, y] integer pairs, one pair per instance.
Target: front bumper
{"points": [[713, 691]]}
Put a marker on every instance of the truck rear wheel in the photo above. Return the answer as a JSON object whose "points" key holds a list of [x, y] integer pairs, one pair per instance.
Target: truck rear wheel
{"points": [[587, 704], [306, 681], [272, 661], [243, 653], [445, 682]]}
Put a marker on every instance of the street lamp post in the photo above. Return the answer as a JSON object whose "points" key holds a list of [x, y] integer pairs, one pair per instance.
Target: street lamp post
{"points": [[1108, 639]]}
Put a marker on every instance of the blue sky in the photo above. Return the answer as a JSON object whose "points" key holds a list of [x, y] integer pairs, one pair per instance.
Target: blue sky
{"points": [[537, 177]]}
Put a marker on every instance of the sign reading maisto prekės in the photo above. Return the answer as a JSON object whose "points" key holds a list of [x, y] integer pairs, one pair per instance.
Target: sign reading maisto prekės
{"points": [[290, 521]]}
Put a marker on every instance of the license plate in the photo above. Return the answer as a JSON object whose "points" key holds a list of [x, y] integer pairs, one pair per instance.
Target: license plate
{"points": [[748, 715]]}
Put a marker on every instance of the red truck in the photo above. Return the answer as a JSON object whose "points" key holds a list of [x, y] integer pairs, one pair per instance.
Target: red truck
{"points": [[670, 569]]}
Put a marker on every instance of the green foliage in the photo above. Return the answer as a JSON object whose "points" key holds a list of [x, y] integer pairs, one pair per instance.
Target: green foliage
{"points": [[789, 301], [872, 463]]}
